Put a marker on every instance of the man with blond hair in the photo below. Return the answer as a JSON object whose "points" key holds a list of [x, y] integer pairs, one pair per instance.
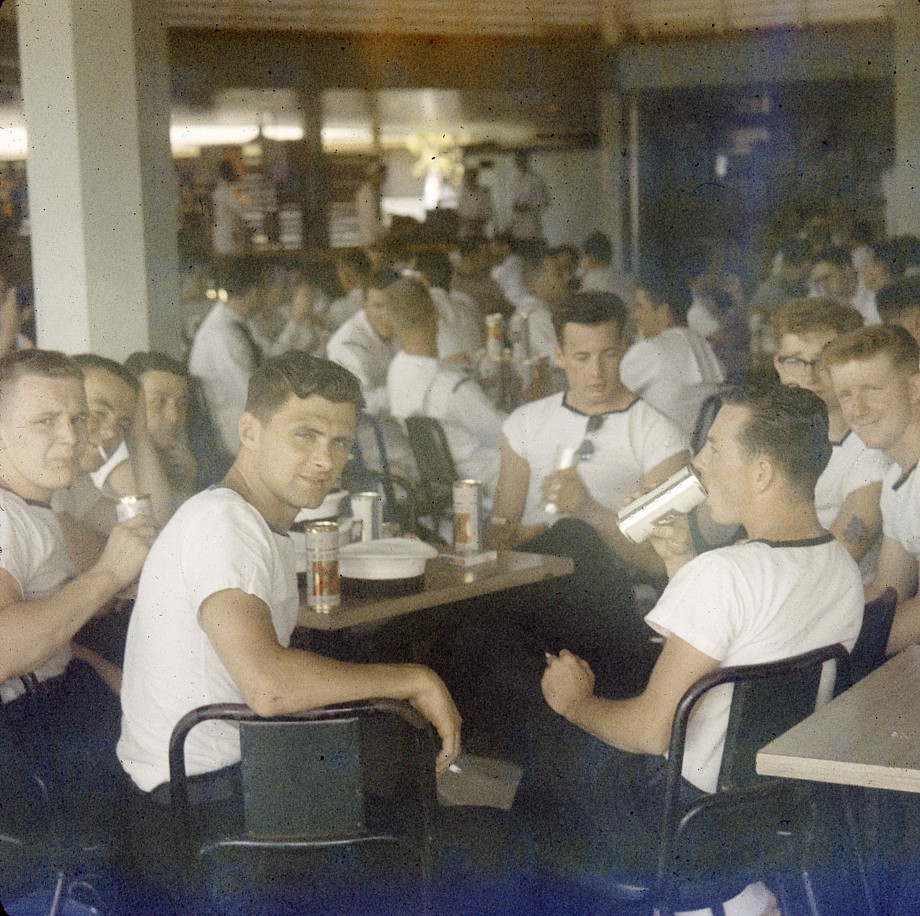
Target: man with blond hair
{"points": [[876, 379]]}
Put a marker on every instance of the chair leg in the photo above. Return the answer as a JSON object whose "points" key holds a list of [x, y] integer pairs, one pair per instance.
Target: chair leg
{"points": [[58, 894]]}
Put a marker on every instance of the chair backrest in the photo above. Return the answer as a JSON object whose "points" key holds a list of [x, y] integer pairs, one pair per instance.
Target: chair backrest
{"points": [[749, 815], [306, 777], [436, 468], [869, 652]]}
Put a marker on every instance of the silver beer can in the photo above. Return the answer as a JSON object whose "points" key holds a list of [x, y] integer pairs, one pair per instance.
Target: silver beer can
{"points": [[129, 506], [323, 593], [366, 516], [467, 516], [680, 493]]}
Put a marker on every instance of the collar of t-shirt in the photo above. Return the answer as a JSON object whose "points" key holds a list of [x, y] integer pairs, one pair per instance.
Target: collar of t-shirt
{"points": [[904, 477], [825, 538], [603, 413], [271, 527]]}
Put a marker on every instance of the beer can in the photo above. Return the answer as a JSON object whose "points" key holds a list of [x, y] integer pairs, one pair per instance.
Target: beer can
{"points": [[323, 593], [467, 516], [129, 506], [494, 336], [366, 516], [680, 493], [567, 457]]}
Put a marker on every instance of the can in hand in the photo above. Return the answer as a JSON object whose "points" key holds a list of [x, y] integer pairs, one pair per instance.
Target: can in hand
{"points": [[323, 593], [129, 506], [495, 342], [366, 516], [680, 493], [467, 516]]}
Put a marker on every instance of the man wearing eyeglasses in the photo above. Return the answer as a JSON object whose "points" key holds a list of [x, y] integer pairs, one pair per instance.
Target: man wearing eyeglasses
{"points": [[620, 444], [848, 490]]}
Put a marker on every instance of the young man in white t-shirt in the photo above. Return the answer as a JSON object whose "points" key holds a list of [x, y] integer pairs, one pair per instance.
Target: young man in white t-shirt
{"points": [[621, 443], [218, 599], [848, 491], [789, 589], [44, 598], [876, 379]]}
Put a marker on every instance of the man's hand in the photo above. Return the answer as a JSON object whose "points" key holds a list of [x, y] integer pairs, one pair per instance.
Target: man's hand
{"points": [[567, 490], [126, 549], [673, 543], [567, 681], [434, 702]]}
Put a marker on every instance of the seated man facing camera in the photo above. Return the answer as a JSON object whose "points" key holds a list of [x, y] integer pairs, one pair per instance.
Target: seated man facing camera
{"points": [[218, 599]]}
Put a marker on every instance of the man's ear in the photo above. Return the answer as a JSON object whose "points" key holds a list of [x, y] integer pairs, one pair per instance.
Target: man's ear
{"points": [[764, 473], [557, 358], [250, 430]]}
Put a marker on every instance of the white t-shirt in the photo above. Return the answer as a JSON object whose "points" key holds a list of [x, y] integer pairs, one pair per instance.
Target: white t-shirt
{"points": [[901, 508], [675, 371], [750, 603], [628, 444], [223, 359], [852, 465], [33, 551], [357, 347], [701, 318], [216, 541], [421, 386], [541, 335], [459, 329]]}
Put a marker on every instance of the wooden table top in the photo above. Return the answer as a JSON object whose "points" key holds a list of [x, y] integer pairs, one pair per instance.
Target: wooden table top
{"points": [[868, 736], [444, 584]]}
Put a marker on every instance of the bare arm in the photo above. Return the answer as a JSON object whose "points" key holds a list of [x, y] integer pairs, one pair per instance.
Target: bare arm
{"points": [[275, 680], [640, 725], [859, 521], [510, 499], [897, 568], [32, 631]]}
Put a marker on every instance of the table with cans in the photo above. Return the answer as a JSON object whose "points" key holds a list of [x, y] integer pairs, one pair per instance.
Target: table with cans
{"points": [[444, 583]]}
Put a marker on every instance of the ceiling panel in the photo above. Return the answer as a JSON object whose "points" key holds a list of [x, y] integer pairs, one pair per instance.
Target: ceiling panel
{"points": [[619, 20]]}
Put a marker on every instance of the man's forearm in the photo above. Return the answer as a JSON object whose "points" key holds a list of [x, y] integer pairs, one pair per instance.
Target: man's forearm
{"points": [[641, 556], [625, 724], [32, 631]]}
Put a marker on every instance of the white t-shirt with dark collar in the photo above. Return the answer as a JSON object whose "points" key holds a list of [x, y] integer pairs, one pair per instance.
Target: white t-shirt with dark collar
{"points": [[901, 507], [216, 541], [756, 602], [624, 448], [34, 552]]}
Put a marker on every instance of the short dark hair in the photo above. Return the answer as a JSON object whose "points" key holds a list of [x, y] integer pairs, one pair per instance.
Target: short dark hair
{"points": [[382, 278], [154, 361], [789, 426], [302, 375], [795, 252], [890, 256], [661, 288], [18, 364], [590, 309], [869, 342], [838, 255], [435, 267], [236, 276], [597, 247], [898, 299], [87, 361], [908, 247]]}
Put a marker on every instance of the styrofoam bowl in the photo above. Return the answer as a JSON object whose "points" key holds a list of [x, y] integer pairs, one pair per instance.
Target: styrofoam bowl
{"points": [[384, 559]]}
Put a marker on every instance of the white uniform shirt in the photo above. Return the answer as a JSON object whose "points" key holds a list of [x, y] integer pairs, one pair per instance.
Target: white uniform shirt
{"points": [[228, 212], [357, 347], [528, 190], [223, 359], [750, 603], [674, 371], [216, 541], [702, 319], [608, 280], [422, 386], [852, 465], [509, 275], [541, 335], [33, 551], [459, 330], [345, 307], [901, 508], [628, 444]]}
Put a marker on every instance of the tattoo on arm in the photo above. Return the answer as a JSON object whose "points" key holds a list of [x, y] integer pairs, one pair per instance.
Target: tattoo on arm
{"points": [[856, 531]]}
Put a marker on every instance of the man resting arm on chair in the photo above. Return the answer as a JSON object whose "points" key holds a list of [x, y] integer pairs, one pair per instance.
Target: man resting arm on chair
{"points": [[218, 600]]}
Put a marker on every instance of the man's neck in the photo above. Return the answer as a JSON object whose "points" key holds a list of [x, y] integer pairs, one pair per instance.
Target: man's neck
{"points": [[241, 481], [783, 519], [836, 426], [619, 399]]}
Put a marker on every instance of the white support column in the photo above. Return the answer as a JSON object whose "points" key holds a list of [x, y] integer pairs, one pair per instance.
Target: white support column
{"points": [[904, 209], [102, 191], [614, 148]]}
